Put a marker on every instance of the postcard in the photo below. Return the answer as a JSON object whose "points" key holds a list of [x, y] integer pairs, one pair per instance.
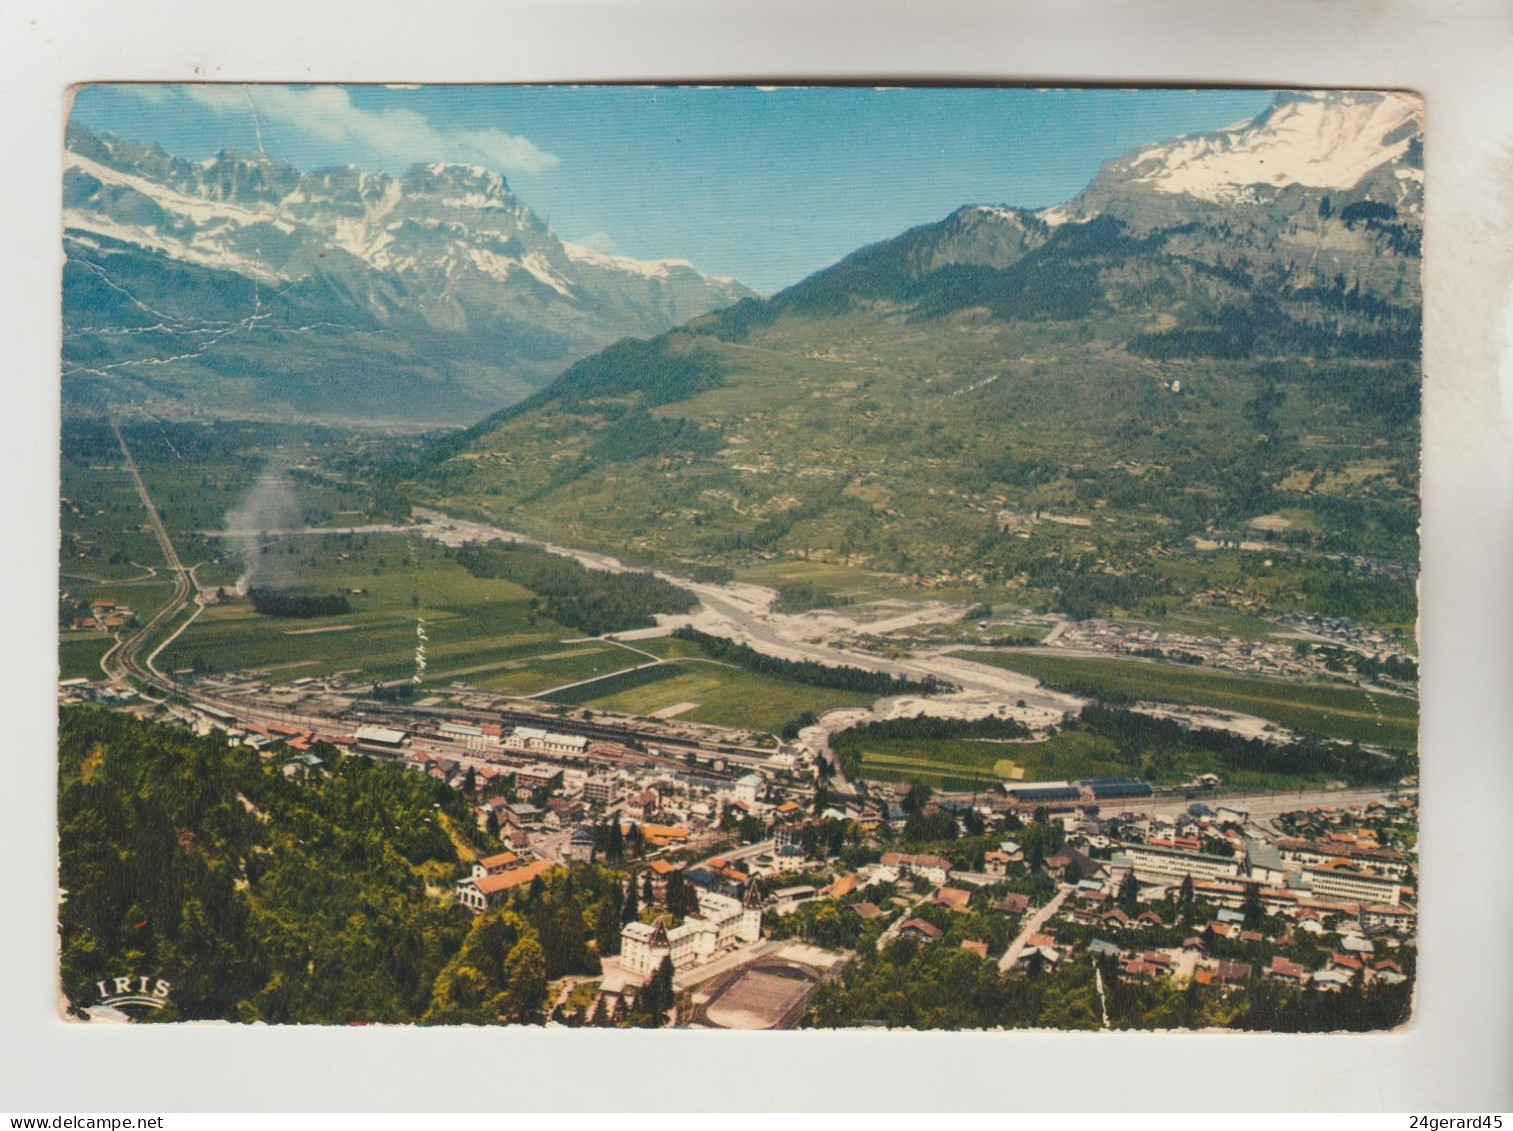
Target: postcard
{"points": [[740, 557]]}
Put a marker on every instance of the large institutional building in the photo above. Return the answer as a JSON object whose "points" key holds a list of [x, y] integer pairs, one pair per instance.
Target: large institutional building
{"points": [[1175, 862], [722, 923]]}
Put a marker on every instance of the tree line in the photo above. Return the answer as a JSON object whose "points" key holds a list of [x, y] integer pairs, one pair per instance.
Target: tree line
{"points": [[591, 601], [281, 603]]}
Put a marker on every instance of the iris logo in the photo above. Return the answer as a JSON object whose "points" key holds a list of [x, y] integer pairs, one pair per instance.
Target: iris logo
{"points": [[138, 990]]}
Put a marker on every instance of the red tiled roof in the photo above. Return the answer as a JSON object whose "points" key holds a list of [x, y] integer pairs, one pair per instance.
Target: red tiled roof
{"points": [[504, 881], [954, 898], [929, 930]]}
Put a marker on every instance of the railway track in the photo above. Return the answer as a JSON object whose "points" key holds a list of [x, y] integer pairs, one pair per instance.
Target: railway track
{"points": [[125, 660]]}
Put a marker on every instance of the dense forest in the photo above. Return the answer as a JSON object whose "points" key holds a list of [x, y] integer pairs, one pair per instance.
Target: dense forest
{"points": [[323, 899], [809, 671], [588, 600]]}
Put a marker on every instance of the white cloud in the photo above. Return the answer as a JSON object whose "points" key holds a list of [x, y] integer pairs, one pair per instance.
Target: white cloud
{"points": [[598, 241], [327, 113]]}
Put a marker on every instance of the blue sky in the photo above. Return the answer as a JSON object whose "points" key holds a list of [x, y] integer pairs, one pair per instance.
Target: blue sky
{"points": [[765, 185]]}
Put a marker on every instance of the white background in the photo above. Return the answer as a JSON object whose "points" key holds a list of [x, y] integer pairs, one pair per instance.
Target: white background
{"points": [[1457, 1055]]}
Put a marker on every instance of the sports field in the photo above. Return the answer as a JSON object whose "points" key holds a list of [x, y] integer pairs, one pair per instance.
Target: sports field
{"points": [[724, 695], [762, 997], [964, 763]]}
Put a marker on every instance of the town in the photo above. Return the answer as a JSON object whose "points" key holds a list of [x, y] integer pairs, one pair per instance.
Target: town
{"points": [[756, 874]]}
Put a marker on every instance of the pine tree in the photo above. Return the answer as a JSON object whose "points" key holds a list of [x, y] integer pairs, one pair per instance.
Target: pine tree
{"points": [[663, 999], [630, 912], [1251, 907], [648, 892], [1185, 899], [681, 898]]}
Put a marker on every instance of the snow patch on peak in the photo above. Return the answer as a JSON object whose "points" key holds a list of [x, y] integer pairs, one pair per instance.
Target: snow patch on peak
{"points": [[538, 266], [1328, 140], [646, 269]]}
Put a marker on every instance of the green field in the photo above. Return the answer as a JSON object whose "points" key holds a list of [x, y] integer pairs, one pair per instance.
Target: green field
{"points": [[725, 696], [484, 631], [1346, 713], [79, 655], [965, 763]]}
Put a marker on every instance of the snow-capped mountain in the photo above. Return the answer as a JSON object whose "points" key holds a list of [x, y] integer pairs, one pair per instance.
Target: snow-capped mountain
{"points": [[442, 250], [1327, 141]]}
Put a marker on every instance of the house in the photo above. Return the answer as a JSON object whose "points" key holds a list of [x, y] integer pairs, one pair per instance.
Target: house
{"points": [[1070, 860], [1232, 973], [1014, 903], [978, 948], [995, 863], [842, 887], [580, 846], [789, 858], [522, 815], [493, 865], [1346, 962], [1102, 948], [868, 911], [952, 899], [1331, 980], [566, 813], [643, 805], [1223, 930], [748, 789], [919, 929], [1138, 970], [933, 868], [479, 893], [1285, 970], [1031, 953], [661, 871], [1380, 917]]}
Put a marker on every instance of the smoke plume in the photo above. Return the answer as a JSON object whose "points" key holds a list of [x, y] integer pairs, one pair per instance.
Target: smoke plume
{"points": [[254, 528]]}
